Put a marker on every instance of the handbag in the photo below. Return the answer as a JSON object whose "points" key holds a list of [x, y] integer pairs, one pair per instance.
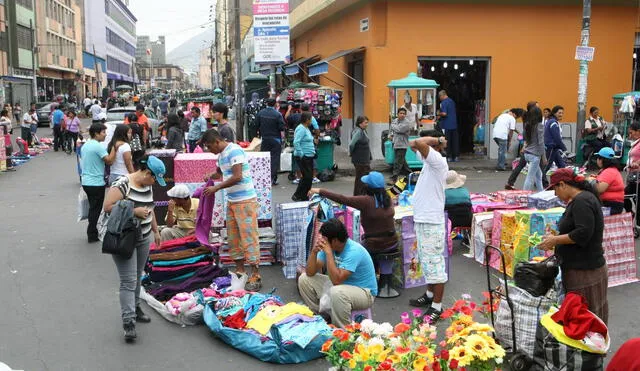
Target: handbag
{"points": [[121, 244], [537, 278]]}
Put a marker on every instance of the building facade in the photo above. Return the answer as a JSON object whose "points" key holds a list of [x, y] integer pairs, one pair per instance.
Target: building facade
{"points": [[166, 77], [18, 42], [157, 48], [487, 55], [205, 65]]}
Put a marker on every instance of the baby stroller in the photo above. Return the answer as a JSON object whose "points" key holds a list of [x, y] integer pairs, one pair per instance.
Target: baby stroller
{"points": [[631, 199]]}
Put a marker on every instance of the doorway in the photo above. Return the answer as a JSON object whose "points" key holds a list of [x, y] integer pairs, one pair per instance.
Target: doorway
{"points": [[466, 80], [356, 70]]}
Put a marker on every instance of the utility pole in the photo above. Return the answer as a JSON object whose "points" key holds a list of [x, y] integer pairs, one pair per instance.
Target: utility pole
{"points": [[95, 67], [238, 71], [584, 67], [34, 48]]}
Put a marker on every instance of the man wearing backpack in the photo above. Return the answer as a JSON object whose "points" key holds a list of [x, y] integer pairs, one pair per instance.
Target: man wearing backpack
{"points": [[137, 133], [143, 121]]}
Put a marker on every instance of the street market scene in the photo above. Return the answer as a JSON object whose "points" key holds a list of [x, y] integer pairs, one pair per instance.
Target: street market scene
{"points": [[268, 184]]}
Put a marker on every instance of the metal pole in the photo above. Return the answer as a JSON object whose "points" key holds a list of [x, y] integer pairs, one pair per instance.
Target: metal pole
{"points": [[95, 67], [584, 68], [238, 71], [33, 60], [635, 71]]}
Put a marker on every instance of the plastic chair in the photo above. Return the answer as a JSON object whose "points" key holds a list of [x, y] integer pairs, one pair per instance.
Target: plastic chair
{"points": [[385, 261]]}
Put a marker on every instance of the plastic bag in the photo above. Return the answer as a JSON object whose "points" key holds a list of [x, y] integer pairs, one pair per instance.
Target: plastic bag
{"points": [[83, 205], [325, 300], [238, 281], [536, 278], [191, 315]]}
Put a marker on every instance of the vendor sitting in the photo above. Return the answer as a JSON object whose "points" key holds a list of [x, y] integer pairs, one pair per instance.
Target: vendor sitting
{"points": [[609, 182], [350, 274], [181, 213], [457, 200], [376, 212]]}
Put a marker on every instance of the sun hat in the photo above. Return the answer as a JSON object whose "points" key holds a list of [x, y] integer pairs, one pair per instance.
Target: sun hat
{"points": [[179, 191], [157, 168], [374, 180], [606, 152], [455, 180]]}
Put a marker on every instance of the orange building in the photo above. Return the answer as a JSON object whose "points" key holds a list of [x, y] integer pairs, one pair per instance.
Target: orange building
{"points": [[497, 55]]}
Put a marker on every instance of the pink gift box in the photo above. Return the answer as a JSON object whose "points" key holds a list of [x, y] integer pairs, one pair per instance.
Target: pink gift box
{"points": [[192, 167]]}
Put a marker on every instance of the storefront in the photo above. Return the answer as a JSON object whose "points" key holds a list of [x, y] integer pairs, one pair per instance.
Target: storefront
{"points": [[17, 90], [52, 83], [506, 55]]}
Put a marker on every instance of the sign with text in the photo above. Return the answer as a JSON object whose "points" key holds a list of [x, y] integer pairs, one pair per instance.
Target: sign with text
{"points": [[271, 31], [585, 53]]}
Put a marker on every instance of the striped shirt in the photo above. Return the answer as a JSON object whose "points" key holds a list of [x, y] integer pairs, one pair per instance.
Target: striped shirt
{"points": [[243, 190], [141, 197]]}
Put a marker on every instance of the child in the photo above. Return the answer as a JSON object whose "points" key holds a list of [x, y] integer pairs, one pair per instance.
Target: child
{"points": [[400, 128]]}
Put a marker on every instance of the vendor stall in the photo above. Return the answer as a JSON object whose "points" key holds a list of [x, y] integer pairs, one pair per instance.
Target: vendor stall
{"points": [[425, 92]]}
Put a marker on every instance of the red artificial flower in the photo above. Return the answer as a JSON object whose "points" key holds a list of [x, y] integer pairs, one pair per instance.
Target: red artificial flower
{"points": [[346, 355], [326, 346], [459, 304], [447, 313], [385, 366], [466, 310], [348, 328], [402, 350], [401, 327], [357, 326], [453, 364], [436, 366], [444, 354], [368, 368]]}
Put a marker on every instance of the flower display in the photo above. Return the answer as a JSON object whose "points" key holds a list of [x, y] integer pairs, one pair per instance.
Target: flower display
{"points": [[411, 344]]}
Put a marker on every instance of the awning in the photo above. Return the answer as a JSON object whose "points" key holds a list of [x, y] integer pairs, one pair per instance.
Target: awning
{"points": [[323, 66], [294, 67]]}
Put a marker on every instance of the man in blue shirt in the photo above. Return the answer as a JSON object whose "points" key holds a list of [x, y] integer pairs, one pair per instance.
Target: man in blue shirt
{"points": [[94, 157], [57, 118], [449, 123], [350, 274], [196, 129], [271, 127]]}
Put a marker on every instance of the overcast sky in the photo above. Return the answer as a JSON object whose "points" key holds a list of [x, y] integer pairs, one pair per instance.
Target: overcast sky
{"points": [[178, 20]]}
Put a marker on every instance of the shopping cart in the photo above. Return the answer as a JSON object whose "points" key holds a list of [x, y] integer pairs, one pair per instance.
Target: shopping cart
{"points": [[516, 359], [631, 199]]}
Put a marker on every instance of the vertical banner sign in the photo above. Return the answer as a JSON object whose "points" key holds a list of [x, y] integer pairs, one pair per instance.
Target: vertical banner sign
{"points": [[271, 31]]}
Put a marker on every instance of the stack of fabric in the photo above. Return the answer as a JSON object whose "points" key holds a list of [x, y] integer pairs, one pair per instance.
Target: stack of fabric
{"points": [[267, 247]]}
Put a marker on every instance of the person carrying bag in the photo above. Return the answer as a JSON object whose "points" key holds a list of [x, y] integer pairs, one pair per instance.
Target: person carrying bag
{"points": [[123, 230]]}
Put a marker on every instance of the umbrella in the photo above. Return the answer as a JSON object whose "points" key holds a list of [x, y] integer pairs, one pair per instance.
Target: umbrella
{"points": [[124, 87]]}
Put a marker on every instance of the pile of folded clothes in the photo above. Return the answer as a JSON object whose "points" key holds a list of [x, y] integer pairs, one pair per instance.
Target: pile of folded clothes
{"points": [[267, 247]]}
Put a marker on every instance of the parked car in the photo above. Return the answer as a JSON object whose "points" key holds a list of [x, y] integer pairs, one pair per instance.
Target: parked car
{"points": [[43, 110], [119, 113]]}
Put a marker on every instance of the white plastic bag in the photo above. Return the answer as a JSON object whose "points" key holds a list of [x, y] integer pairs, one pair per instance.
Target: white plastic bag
{"points": [[286, 160], [83, 205], [325, 299], [238, 281]]}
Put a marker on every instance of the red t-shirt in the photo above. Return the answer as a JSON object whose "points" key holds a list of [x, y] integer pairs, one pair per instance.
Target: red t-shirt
{"points": [[615, 192]]}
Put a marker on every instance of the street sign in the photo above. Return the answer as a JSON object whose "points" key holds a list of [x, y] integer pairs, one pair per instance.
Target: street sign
{"points": [[153, 82], [584, 53], [271, 31]]}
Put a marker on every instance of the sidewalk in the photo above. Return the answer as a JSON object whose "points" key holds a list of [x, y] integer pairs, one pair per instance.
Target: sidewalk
{"points": [[466, 163]]}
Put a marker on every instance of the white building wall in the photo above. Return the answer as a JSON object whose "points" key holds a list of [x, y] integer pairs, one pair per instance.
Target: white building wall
{"points": [[94, 25]]}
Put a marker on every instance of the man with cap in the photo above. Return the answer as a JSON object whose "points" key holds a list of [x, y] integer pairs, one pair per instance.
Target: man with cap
{"points": [[181, 213]]}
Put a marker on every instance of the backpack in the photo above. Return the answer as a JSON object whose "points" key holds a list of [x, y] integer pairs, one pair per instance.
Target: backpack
{"points": [[136, 135]]}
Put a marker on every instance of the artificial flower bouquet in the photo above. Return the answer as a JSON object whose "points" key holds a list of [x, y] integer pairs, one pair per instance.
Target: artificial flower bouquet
{"points": [[412, 344]]}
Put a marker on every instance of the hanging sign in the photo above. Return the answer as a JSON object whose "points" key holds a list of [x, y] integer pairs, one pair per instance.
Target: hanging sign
{"points": [[584, 53], [271, 31]]}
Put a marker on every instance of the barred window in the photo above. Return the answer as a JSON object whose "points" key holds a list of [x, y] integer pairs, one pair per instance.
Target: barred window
{"points": [[25, 3], [24, 37]]}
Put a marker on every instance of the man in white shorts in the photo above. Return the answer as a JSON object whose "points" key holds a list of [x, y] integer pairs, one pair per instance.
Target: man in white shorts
{"points": [[428, 217]]}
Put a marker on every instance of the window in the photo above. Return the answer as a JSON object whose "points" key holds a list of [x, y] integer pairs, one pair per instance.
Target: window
{"points": [[158, 72], [118, 66], [120, 18], [168, 73], [25, 3], [120, 43], [24, 37]]}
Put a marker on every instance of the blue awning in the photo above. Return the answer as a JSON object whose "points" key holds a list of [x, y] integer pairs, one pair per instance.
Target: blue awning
{"points": [[323, 66], [294, 67]]}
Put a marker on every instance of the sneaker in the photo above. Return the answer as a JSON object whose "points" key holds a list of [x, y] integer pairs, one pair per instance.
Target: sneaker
{"points": [[129, 331], [316, 180], [254, 283], [141, 317], [509, 187], [296, 181], [423, 301], [434, 315]]}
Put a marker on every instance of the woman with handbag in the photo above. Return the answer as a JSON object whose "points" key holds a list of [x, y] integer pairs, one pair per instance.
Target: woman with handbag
{"points": [[360, 154], [579, 243], [136, 187]]}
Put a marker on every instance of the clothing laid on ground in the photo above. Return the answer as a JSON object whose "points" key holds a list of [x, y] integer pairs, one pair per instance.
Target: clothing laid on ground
{"points": [[201, 278], [615, 191], [377, 222], [429, 196], [119, 167], [355, 259], [272, 314], [244, 190], [93, 154], [141, 197]]}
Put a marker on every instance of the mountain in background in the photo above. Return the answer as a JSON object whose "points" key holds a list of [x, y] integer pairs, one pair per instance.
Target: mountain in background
{"points": [[187, 54]]}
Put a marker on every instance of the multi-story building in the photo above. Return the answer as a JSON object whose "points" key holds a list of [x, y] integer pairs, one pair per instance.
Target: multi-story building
{"points": [[166, 77], [18, 43], [110, 36], [59, 39], [204, 69], [157, 48]]}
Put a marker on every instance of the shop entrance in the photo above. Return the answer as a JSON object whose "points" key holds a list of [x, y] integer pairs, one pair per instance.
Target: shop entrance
{"points": [[357, 90], [466, 80]]}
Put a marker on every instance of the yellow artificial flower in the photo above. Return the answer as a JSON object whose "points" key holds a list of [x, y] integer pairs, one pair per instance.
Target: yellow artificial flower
{"points": [[481, 327], [478, 347], [419, 339], [352, 363], [382, 356], [394, 358], [460, 354], [460, 335], [495, 350], [419, 364], [361, 353]]}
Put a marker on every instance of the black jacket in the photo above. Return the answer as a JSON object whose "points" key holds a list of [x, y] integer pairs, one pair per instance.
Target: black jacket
{"points": [[270, 123], [359, 147]]}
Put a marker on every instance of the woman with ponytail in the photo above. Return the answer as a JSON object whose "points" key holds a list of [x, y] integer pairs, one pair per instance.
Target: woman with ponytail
{"points": [[376, 212], [578, 245]]}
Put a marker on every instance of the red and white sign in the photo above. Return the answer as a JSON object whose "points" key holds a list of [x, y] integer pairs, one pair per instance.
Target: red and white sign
{"points": [[261, 7]]}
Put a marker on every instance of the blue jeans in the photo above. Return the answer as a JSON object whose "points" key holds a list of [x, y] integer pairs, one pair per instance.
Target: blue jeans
{"points": [[130, 271], [534, 176], [502, 152]]}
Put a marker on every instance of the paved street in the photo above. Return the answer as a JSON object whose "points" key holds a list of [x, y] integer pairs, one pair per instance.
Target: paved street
{"points": [[60, 302]]}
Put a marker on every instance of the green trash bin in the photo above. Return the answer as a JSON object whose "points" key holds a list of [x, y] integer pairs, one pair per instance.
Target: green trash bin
{"points": [[325, 154]]}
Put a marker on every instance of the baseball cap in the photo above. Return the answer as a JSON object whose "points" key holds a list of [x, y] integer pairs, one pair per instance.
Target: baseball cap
{"points": [[157, 168], [179, 191], [606, 152], [566, 174], [374, 180]]}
